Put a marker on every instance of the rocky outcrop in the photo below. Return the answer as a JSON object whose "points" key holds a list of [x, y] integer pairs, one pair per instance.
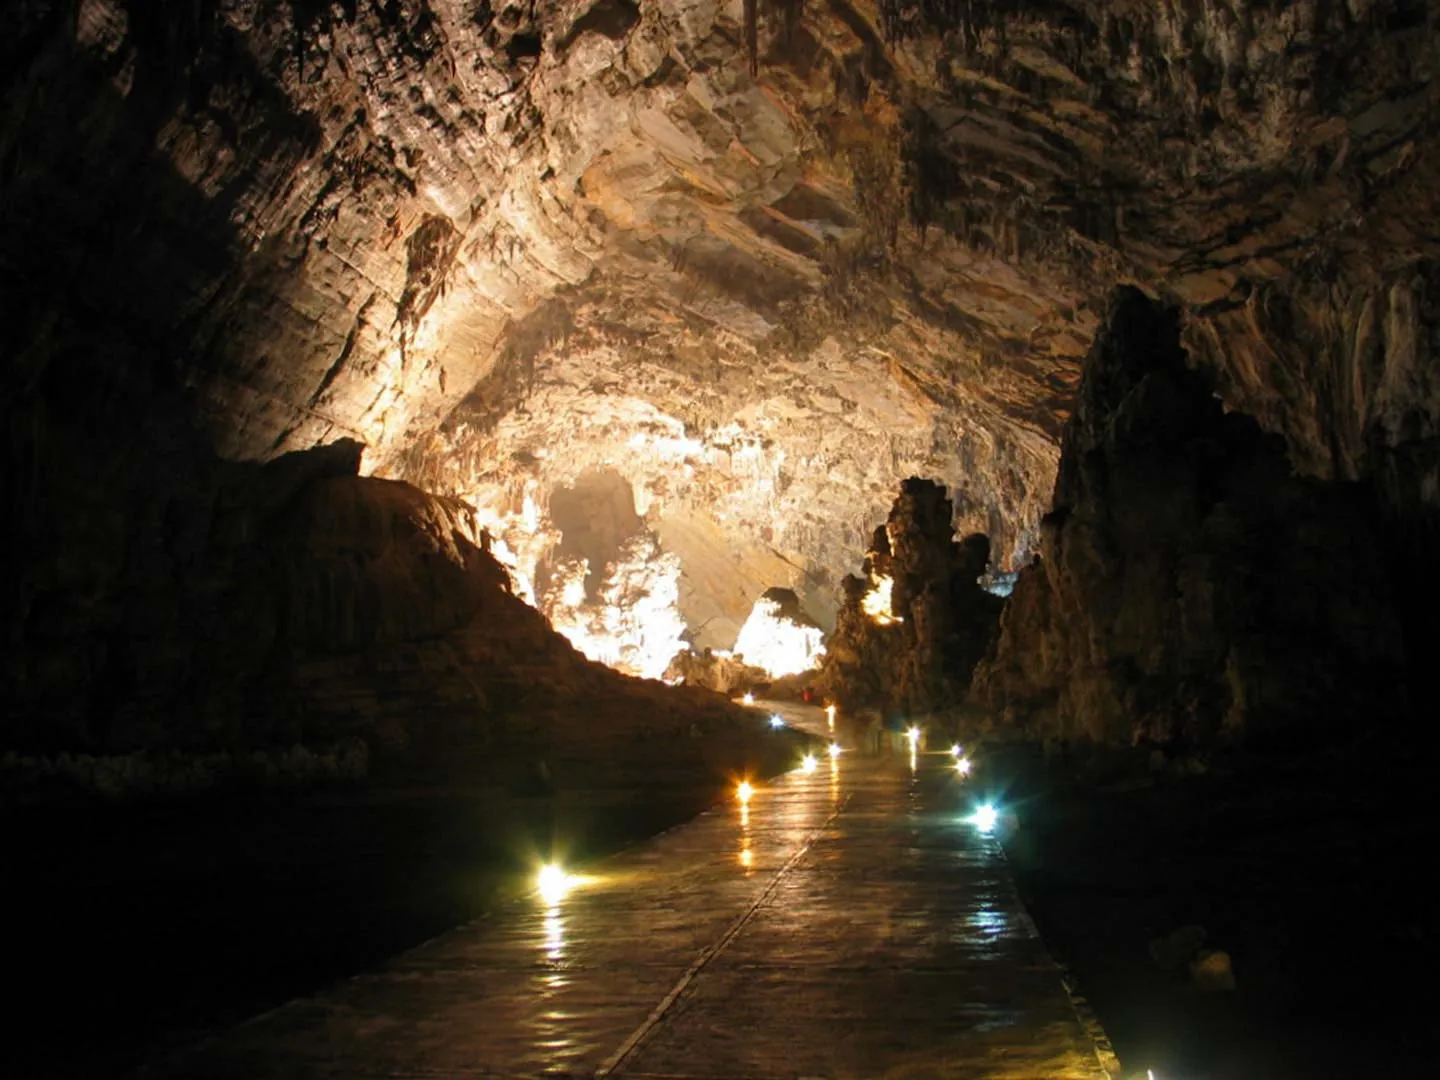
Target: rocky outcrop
{"points": [[909, 633], [300, 603], [1190, 586], [718, 672]]}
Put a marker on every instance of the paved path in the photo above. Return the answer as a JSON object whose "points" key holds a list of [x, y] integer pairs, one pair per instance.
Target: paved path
{"points": [[846, 924]]}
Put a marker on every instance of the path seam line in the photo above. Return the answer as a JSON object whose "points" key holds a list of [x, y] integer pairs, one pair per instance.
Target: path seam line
{"points": [[608, 1067]]}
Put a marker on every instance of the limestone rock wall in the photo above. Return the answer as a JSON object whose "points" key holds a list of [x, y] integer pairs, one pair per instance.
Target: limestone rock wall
{"points": [[911, 630], [1190, 586], [501, 244]]}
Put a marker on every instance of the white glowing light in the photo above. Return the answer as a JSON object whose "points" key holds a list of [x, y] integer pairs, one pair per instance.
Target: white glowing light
{"points": [[985, 818], [955, 750], [830, 716], [914, 736], [518, 540], [834, 749], [778, 646], [876, 602], [748, 699], [572, 584], [809, 764], [776, 720], [962, 766], [744, 791], [634, 622], [553, 883]]}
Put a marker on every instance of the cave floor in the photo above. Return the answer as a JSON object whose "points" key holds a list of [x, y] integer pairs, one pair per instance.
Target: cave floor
{"points": [[847, 923]]}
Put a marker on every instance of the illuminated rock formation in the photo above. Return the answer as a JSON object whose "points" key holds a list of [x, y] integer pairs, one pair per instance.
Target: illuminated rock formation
{"points": [[778, 637], [632, 622], [912, 629]]}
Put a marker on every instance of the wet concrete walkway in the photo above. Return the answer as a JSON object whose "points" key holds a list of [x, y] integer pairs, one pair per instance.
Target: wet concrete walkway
{"points": [[847, 923]]}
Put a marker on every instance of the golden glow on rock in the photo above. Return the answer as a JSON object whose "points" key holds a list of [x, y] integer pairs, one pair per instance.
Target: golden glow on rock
{"points": [[776, 645], [744, 791], [876, 602]]}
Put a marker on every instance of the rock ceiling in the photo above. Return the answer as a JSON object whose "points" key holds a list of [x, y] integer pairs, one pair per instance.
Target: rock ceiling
{"points": [[511, 247]]}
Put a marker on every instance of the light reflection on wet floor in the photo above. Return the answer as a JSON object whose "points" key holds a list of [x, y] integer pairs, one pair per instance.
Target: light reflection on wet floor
{"points": [[844, 923]]}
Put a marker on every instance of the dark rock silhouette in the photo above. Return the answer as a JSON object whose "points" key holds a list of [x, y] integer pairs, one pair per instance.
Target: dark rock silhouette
{"points": [[1189, 585], [917, 657]]}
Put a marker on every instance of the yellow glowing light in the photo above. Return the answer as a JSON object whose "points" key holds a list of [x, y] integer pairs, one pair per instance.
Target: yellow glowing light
{"points": [[746, 858], [962, 766], [744, 791], [748, 699], [553, 883], [876, 602], [830, 716], [834, 749], [914, 736], [554, 937], [809, 764]]}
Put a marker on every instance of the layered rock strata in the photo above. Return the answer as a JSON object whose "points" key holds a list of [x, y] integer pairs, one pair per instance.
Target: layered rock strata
{"points": [[1190, 586], [502, 244]]}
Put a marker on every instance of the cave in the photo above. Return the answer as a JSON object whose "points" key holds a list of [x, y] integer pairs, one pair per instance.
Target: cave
{"points": [[424, 421]]}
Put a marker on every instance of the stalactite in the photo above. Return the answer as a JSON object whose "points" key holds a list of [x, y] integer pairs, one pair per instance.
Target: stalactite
{"points": [[752, 35]]}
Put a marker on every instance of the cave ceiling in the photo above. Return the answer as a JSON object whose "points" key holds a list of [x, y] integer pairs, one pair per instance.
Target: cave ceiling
{"points": [[509, 246]]}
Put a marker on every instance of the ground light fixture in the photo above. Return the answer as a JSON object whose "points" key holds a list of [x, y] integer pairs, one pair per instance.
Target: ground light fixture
{"points": [[834, 749], [743, 791], [914, 736], [809, 764], [962, 766], [553, 883], [956, 751], [984, 818], [748, 699], [776, 720], [830, 716]]}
